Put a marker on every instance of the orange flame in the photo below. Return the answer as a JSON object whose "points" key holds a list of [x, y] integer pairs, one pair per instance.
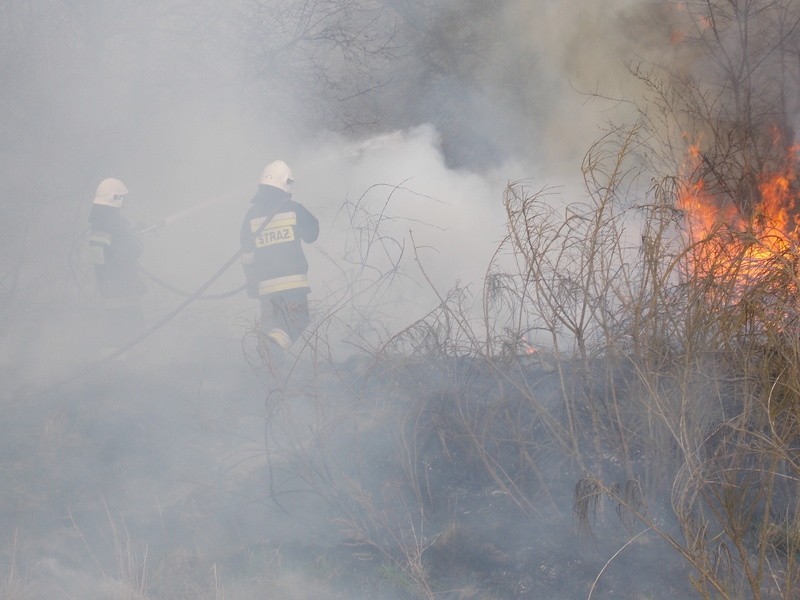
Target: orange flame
{"points": [[687, 23], [750, 241]]}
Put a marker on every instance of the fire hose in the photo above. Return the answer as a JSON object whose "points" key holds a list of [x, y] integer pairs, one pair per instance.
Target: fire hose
{"points": [[355, 151], [161, 322], [180, 292]]}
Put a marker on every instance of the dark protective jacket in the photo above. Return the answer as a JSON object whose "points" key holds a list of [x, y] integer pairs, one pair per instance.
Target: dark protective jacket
{"points": [[115, 249], [272, 255]]}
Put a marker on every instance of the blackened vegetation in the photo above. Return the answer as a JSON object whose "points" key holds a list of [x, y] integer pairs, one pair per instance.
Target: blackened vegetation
{"points": [[608, 387], [600, 391], [588, 494], [629, 384], [462, 491]]}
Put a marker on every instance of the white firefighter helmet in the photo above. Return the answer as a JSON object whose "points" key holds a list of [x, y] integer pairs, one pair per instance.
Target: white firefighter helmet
{"points": [[110, 192], [277, 174]]}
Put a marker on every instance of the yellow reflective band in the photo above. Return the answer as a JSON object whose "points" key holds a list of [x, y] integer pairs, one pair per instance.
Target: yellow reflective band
{"points": [[274, 235], [100, 237], [279, 220], [280, 284], [280, 337]]}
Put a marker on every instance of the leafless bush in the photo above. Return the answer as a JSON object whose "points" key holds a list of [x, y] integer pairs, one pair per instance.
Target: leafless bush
{"points": [[617, 345], [661, 359]]}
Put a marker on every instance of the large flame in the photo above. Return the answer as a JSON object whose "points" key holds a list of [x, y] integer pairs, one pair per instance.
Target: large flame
{"points": [[737, 247]]}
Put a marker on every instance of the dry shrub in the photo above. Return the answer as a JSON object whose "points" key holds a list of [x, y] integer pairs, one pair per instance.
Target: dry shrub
{"points": [[661, 360], [595, 345]]}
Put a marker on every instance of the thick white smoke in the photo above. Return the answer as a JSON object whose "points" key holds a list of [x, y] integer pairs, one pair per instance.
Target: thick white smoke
{"points": [[455, 216]]}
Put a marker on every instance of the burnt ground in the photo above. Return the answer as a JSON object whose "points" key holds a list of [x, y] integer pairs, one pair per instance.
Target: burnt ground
{"points": [[190, 478]]}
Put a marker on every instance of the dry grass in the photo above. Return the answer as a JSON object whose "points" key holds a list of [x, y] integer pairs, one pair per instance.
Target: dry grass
{"points": [[669, 379], [666, 367], [13, 585]]}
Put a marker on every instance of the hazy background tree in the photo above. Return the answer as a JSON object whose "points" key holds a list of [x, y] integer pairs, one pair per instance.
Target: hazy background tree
{"points": [[730, 92]]}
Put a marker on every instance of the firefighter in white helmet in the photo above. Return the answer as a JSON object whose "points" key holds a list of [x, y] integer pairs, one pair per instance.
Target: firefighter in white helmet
{"points": [[272, 255], [115, 248]]}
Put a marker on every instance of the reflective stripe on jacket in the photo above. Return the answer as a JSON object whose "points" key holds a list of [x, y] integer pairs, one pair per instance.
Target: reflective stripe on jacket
{"points": [[272, 252]]}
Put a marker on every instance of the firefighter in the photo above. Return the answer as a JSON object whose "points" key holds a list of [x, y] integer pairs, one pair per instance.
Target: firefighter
{"points": [[274, 263], [115, 248]]}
